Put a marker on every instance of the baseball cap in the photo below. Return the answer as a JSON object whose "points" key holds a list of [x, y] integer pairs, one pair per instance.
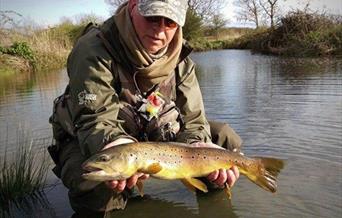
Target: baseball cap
{"points": [[172, 9]]}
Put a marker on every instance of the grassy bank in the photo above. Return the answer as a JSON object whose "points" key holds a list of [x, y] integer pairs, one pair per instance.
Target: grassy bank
{"points": [[298, 34], [28, 50], [222, 40]]}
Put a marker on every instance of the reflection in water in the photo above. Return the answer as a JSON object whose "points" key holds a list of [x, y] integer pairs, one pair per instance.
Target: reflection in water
{"points": [[214, 204], [36, 205], [158, 204], [281, 107]]}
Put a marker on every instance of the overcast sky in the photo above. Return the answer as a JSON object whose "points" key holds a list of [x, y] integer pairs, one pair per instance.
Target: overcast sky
{"points": [[49, 12]]}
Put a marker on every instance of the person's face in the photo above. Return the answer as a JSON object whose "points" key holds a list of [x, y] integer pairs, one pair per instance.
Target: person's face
{"points": [[154, 32]]}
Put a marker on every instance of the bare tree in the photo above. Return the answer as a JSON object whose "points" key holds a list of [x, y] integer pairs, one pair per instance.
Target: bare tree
{"points": [[204, 8], [271, 9], [249, 10], [114, 4], [8, 18]]}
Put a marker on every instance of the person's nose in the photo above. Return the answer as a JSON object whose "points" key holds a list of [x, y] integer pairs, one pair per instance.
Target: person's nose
{"points": [[160, 25]]}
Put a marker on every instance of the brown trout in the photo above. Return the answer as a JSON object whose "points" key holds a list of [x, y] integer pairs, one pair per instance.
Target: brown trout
{"points": [[178, 161]]}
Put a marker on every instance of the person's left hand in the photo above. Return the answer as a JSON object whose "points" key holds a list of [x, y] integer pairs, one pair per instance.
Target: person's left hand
{"points": [[221, 176]]}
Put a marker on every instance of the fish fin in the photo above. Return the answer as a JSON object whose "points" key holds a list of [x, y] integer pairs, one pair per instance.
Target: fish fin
{"points": [[265, 173], [140, 187], [188, 185], [227, 190], [152, 169], [196, 183]]}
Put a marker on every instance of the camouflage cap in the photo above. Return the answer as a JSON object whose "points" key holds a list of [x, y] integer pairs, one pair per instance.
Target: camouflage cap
{"points": [[172, 9]]}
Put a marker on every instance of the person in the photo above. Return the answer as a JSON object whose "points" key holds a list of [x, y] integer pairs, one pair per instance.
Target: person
{"points": [[131, 79]]}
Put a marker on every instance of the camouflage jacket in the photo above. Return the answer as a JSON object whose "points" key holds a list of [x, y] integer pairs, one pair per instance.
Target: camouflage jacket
{"points": [[94, 92]]}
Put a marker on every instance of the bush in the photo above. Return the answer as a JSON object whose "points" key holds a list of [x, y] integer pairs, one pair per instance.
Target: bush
{"points": [[298, 34], [21, 49]]}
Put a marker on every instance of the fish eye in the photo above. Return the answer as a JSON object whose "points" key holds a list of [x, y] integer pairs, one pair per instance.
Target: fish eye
{"points": [[104, 158]]}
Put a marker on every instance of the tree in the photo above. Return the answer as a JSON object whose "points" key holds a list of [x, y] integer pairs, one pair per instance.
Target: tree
{"points": [[271, 9], [114, 4], [249, 10], [8, 19], [205, 9], [193, 27], [199, 12], [217, 23]]}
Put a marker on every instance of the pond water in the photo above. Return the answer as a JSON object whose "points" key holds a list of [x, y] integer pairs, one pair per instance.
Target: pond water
{"points": [[281, 107]]}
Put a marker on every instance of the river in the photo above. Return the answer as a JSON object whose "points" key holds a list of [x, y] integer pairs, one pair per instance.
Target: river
{"points": [[281, 107]]}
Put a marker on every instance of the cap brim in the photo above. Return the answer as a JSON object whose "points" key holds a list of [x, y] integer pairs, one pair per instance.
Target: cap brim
{"points": [[164, 10]]}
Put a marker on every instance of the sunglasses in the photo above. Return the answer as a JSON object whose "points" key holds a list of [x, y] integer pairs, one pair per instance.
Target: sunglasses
{"points": [[167, 22]]}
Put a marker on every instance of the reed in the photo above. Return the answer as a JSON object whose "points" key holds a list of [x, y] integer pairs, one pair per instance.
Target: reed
{"points": [[23, 173]]}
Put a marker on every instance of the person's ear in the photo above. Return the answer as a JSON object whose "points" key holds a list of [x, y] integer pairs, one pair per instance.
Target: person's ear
{"points": [[131, 5]]}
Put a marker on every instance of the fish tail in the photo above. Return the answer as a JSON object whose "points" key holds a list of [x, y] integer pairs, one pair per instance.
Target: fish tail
{"points": [[264, 173]]}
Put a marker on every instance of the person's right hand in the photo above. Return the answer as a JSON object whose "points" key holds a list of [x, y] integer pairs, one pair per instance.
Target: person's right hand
{"points": [[120, 185]]}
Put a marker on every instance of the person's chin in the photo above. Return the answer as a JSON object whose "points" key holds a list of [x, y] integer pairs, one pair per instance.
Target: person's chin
{"points": [[153, 48]]}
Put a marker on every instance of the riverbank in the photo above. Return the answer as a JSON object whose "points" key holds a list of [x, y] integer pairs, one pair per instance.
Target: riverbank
{"points": [[298, 34], [31, 50]]}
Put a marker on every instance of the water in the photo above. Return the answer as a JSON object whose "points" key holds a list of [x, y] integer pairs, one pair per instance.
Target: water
{"points": [[281, 107]]}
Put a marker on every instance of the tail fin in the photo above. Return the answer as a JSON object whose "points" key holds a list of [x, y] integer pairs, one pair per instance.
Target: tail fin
{"points": [[264, 173]]}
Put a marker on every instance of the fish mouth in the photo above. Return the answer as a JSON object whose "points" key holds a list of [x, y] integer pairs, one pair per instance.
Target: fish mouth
{"points": [[91, 168], [98, 172]]}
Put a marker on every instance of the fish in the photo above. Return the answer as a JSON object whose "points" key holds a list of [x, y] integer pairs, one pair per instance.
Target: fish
{"points": [[178, 161]]}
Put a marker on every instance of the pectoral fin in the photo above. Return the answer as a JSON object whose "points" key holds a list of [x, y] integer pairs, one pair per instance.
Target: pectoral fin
{"points": [[152, 169], [188, 185], [140, 187], [227, 191], [192, 184]]}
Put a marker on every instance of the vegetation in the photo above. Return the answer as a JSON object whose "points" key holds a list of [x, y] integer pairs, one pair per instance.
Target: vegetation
{"points": [[28, 48], [22, 174], [299, 33]]}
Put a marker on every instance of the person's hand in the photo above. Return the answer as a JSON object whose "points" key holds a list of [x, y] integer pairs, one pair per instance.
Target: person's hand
{"points": [[120, 185], [221, 176]]}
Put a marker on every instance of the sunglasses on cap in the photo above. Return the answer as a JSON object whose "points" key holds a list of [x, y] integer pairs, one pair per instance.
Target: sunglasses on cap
{"points": [[158, 19]]}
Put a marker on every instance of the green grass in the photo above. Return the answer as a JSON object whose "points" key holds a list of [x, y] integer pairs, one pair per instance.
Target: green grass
{"points": [[22, 173]]}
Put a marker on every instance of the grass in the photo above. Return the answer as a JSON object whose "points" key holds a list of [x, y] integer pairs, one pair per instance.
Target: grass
{"points": [[22, 174], [43, 49]]}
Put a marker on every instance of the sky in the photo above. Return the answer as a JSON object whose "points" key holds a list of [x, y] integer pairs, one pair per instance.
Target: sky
{"points": [[49, 12]]}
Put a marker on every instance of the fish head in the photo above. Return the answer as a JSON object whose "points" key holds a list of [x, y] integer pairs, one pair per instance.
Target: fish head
{"points": [[107, 165]]}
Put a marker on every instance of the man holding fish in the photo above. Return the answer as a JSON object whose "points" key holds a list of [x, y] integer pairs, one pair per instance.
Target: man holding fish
{"points": [[131, 79]]}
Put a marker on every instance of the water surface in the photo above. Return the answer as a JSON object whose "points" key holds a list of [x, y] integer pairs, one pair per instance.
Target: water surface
{"points": [[281, 107]]}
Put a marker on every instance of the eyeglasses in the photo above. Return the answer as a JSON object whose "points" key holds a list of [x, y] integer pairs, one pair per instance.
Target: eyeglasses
{"points": [[170, 24]]}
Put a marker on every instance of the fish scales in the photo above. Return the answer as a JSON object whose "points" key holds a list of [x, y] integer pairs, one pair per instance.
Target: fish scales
{"points": [[166, 160]]}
